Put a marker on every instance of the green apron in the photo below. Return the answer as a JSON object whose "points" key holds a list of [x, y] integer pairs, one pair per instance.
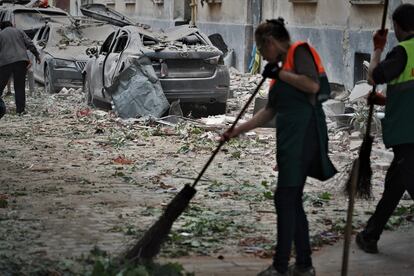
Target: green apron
{"points": [[293, 114]]}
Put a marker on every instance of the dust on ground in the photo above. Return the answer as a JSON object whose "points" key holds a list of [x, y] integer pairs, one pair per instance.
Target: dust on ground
{"points": [[74, 179]]}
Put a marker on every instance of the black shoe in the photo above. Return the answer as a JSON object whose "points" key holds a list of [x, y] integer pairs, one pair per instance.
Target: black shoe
{"points": [[271, 271], [21, 113], [296, 271], [369, 246]]}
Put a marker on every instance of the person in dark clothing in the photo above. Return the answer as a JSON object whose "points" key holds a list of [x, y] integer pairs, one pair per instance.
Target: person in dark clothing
{"points": [[397, 70], [300, 86], [14, 44]]}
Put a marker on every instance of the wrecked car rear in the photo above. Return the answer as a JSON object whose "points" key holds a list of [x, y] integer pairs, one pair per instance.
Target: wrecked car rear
{"points": [[188, 66]]}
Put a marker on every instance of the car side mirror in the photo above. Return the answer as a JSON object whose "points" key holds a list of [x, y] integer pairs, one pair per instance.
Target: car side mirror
{"points": [[92, 52]]}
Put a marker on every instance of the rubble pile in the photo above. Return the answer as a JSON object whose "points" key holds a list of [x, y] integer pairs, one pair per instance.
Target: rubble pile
{"points": [[241, 88]]}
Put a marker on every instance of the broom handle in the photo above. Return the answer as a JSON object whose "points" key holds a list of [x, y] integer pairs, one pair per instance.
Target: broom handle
{"points": [[374, 88], [355, 175], [348, 227], [230, 129]]}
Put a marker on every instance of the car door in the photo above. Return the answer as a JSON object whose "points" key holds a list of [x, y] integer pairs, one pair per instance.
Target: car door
{"points": [[96, 68], [112, 61]]}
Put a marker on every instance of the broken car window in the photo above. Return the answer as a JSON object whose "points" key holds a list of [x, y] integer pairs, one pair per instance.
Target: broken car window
{"points": [[148, 41], [107, 44], [121, 43], [45, 36], [33, 19]]}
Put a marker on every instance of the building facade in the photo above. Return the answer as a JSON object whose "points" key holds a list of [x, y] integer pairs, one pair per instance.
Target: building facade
{"points": [[341, 30]]}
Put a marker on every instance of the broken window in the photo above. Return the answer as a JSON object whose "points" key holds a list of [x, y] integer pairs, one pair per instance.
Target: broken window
{"points": [[121, 43], [45, 36], [2, 15], [33, 19], [107, 44], [148, 41], [39, 35], [360, 70]]}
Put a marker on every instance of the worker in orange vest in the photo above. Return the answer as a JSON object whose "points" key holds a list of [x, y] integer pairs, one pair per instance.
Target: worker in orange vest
{"points": [[296, 97]]}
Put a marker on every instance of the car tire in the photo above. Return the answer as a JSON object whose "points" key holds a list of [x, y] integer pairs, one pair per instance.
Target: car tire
{"points": [[87, 91], [216, 109], [49, 87]]}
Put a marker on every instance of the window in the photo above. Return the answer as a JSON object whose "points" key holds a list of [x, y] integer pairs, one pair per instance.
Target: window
{"points": [[211, 2], [40, 33], [2, 14], [107, 44], [360, 71], [303, 1], [45, 36], [121, 42], [366, 2], [148, 41]]}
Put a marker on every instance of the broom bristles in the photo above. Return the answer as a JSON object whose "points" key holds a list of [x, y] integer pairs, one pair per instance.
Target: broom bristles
{"points": [[363, 188], [150, 244]]}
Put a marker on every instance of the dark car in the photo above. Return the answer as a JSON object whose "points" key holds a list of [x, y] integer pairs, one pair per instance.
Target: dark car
{"points": [[188, 66], [62, 51]]}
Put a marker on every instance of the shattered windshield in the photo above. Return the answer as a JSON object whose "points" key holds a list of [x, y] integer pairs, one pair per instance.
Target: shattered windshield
{"points": [[85, 36], [31, 19]]}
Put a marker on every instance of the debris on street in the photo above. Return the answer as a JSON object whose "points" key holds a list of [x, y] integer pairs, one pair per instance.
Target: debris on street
{"points": [[76, 178]]}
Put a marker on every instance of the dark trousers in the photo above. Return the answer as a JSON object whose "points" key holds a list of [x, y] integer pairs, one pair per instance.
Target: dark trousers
{"points": [[399, 178], [292, 224], [18, 70]]}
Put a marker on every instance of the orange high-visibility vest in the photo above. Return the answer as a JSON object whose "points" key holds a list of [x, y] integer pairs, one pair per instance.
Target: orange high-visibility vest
{"points": [[289, 64]]}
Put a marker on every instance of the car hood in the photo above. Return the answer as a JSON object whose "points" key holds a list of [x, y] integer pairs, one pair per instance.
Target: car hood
{"points": [[75, 53]]}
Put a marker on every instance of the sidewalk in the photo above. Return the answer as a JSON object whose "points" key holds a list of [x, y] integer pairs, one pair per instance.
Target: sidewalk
{"points": [[396, 257]]}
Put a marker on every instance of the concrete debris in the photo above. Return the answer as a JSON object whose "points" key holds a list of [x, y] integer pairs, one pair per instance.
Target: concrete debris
{"points": [[361, 89], [333, 107], [79, 161]]}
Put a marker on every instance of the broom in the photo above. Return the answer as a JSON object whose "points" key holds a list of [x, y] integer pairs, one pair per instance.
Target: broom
{"points": [[150, 244], [359, 182]]}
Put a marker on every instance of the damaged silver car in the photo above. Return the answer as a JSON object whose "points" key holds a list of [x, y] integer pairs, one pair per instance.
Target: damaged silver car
{"points": [[62, 51], [188, 67]]}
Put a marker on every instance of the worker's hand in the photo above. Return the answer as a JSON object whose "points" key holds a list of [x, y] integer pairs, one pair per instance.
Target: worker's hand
{"points": [[380, 39], [38, 60], [230, 133], [29, 64], [271, 71], [376, 98]]}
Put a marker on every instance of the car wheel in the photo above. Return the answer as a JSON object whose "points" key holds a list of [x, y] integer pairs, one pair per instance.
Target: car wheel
{"points": [[87, 91], [216, 108], [49, 87]]}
